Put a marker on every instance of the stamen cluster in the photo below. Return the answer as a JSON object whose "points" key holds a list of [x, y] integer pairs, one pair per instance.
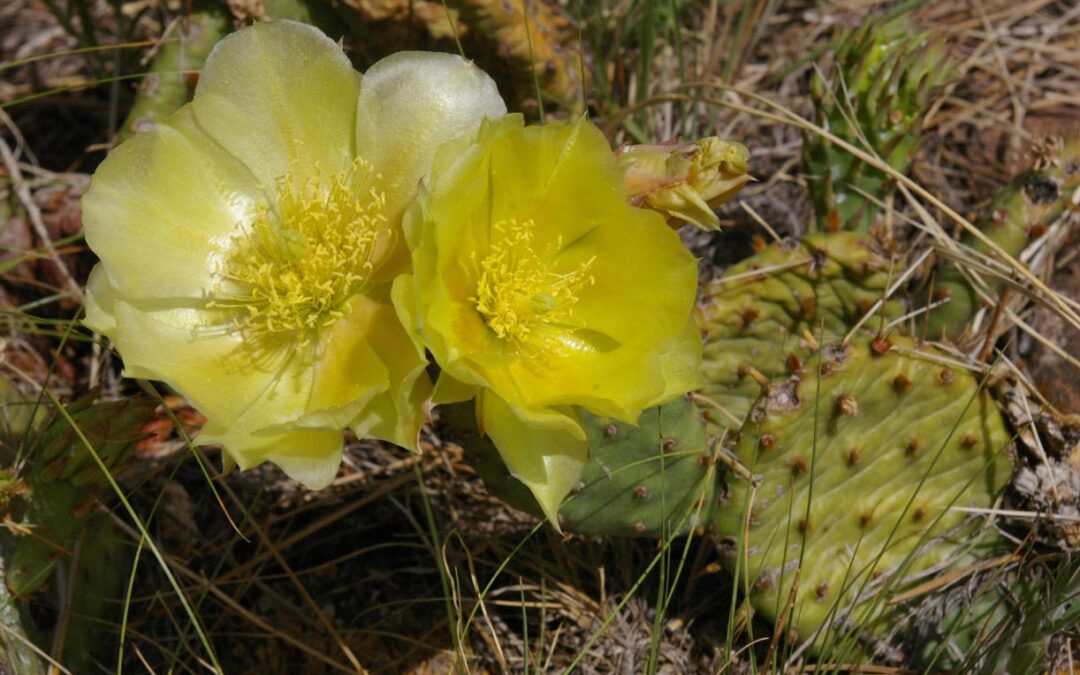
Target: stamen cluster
{"points": [[294, 269], [519, 289]]}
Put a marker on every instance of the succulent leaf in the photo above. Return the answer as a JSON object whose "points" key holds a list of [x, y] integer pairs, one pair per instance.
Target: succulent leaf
{"points": [[881, 442], [655, 479], [874, 97], [753, 318]]}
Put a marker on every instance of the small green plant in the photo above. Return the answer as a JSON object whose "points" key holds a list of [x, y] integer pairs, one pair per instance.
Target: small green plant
{"points": [[883, 76]]}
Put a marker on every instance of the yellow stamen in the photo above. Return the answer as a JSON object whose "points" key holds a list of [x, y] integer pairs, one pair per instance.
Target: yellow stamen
{"points": [[293, 269], [519, 292]]}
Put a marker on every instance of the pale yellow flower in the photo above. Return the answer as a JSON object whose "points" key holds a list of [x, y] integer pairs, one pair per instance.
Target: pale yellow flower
{"points": [[249, 242]]}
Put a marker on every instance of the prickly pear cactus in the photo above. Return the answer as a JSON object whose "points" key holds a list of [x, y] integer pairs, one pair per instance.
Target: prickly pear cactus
{"points": [[754, 317], [881, 439], [63, 477], [876, 95], [653, 480], [1019, 214], [172, 77]]}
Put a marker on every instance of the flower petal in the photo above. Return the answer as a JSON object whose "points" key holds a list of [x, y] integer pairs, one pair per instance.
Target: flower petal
{"points": [[545, 450], [100, 296], [397, 414], [281, 97], [162, 205], [309, 456], [349, 370], [452, 390], [213, 370], [251, 406], [410, 104], [680, 361]]}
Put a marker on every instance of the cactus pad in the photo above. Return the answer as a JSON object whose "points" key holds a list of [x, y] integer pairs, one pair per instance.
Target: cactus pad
{"points": [[62, 480], [653, 480], [756, 321], [876, 95], [883, 440], [1022, 212]]}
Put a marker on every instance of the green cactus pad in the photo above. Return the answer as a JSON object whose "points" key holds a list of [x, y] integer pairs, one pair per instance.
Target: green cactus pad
{"points": [[1019, 214], [99, 578], [884, 439], [876, 94], [62, 480], [171, 80], [653, 480], [819, 283], [16, 647]]}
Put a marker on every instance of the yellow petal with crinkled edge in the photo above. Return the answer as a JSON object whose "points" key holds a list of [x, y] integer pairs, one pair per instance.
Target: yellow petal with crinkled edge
{"points": [[546, 450], [98, 304], [449, 389], [172, 194], [410, 104], [281, 97], [679, 362], [349, 368], [397, 414], [309, 456]]}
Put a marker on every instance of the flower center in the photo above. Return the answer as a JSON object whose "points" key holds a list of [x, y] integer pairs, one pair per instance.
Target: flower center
{"points": [[519, 292], [302, 258]]}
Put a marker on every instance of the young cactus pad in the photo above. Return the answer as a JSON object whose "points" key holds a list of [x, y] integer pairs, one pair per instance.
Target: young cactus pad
{"points": [[1022, 212], [882, 440], [653, 480], [875, 97], [823, 283], [171, 80]]}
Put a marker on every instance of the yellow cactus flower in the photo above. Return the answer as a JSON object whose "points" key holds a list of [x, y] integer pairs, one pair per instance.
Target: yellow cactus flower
{"points": [[249, 242], [539, 289]]}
